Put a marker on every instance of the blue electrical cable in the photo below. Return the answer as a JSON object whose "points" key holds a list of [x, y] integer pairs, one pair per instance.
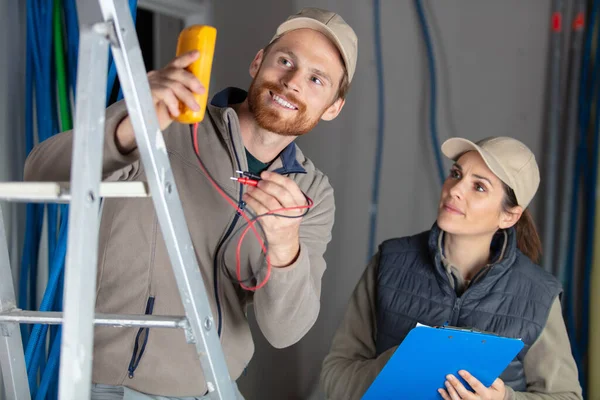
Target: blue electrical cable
{"points": [[53, 126], [112, 74], [54, 358], [381, 113], [38, 334], [39, 31], [29, 260], [37, 347], [42, 117], [133, 8], [433, 92], [38, 16], [53, 361], [29, 227], [112, 68], [54, 209], [591, 174], [42, 22], [380, 128], [72, 48], [34, 353], [585, 99], [72, 30], [28, 257], [39, 73]]}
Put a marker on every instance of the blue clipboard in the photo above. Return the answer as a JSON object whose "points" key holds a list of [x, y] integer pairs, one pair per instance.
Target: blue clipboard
{"points": [[419, 366]]}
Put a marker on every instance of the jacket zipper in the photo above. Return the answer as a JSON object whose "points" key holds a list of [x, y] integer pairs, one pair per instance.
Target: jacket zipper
{"points": [[141, 339], [455, 311], [241, 206]]}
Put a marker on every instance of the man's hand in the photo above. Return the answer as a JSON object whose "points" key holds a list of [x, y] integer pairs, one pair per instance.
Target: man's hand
{"points": [[457, 391], [272, 193], [169, 86]]}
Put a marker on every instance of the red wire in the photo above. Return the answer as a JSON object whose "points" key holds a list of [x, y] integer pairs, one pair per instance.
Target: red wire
{"points": [[248, 220], [251, 226]]}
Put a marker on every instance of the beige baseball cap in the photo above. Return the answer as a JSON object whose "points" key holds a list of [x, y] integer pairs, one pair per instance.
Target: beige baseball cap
{"points": [[329, 24], [509, 159]]}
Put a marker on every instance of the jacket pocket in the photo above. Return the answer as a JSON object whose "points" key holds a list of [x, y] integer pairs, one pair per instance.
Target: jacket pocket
{"points": [[141, 339]]}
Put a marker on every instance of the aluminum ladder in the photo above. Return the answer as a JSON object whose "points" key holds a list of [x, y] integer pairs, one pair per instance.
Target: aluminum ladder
{"points": [[115, 30]]}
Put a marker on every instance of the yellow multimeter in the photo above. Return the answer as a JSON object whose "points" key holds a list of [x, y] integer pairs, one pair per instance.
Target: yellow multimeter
{"points": [[203, 39]]}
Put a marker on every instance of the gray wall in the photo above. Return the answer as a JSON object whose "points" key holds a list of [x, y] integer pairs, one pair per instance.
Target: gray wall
{"points": [[492, 66], [491, 81], [12, 112], [12, 128]]}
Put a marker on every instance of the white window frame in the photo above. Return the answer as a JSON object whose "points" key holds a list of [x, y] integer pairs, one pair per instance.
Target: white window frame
{"points": [[191, 12]]}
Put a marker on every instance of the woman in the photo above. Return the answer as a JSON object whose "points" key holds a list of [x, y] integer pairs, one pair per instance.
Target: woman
{"points": [[474, 268]]}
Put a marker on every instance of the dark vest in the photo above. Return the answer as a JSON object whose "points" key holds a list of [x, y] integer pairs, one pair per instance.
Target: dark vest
{"points": [[511, 298]]}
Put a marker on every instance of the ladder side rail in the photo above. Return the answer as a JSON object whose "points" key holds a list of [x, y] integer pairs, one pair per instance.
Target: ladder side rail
{"points": [[153, 153], [82, 246], [12, 357]]}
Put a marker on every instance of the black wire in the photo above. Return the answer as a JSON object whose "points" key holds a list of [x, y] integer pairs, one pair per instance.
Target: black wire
{"points": [[221, 252], [221, 256]]}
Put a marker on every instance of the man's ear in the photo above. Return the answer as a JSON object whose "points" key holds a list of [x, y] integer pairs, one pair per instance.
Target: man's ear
{"points": [[510, 218], [333, 110], [255, 64]]}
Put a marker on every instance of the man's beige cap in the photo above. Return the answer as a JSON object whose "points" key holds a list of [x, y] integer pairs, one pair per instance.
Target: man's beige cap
{"points": [[511, 161], [329, 24]]}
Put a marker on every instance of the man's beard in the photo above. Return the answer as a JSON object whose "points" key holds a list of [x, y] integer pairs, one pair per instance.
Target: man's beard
{"points": [[269, 119]]}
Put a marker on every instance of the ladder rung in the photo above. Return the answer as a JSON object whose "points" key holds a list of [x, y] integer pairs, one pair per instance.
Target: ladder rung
{"points": [[122, 321], [58, 192]]}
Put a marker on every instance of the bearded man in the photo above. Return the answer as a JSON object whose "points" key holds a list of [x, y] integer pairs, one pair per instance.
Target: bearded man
{"points": [[300, 78]]}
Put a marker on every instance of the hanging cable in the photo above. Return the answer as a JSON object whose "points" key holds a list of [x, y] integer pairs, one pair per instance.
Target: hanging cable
{"points": [[49, 385], [39, 31], [45, 25], [133, 9], [373, 211], [576, 66], [48, 380], [39, 23], [30, 228], [586, 95], [29, 257], [591, 179], [72, 30], [552, 139], [250, 222], [432, 92], [37, 340]]}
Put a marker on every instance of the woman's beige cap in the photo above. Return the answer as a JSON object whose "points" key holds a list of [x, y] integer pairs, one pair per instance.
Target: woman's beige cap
{"points": [[509, 159], [329, 24]]}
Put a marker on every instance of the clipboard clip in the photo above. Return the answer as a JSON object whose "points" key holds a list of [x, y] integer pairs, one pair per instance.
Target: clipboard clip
{"points": [[466, 329]]}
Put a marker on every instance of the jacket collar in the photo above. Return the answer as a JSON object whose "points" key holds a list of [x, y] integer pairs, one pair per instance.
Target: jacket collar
{"points": [[503, 250], [233, 95]]}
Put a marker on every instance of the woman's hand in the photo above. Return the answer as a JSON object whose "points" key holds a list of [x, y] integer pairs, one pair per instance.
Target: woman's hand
{"points": [[457, 391]]}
